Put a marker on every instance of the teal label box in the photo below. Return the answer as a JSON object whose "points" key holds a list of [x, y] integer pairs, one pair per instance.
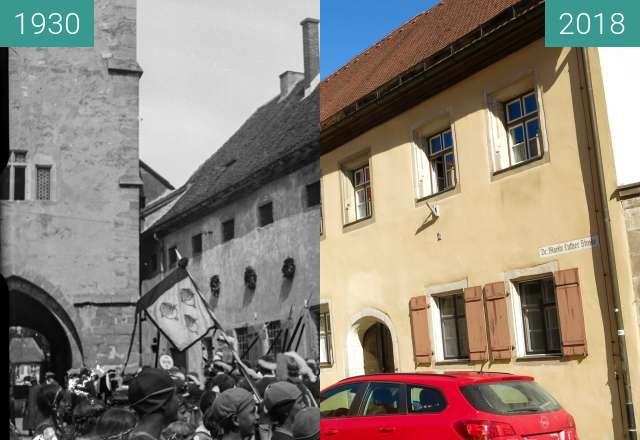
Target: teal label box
{"points": [[592, 23], [46, 23]]}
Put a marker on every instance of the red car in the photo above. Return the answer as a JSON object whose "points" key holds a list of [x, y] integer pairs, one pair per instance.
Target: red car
{"points": [[442, 406]]}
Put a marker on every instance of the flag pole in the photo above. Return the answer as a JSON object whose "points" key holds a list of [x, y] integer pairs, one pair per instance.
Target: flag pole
{"points": [[182, 262], [133, 333]]}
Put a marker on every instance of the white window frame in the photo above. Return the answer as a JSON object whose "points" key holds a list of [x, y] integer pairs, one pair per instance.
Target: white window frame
{"points": [[512, 279], [425, 177], [11, 166], [438, 346], [324, 307], [522, 121], [348, 189], [499, 142], [435, 328]]}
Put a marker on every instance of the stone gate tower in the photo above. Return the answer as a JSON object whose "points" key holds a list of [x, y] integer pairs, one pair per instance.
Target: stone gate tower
{"points": [[70, 194]]}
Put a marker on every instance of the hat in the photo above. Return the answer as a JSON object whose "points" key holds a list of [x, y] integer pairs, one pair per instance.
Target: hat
{"points": [[293, 369], [262, 384], [49, 374], [230, 403], [150, 390], [306, 425], [279, 393], [223, 382], [268, 362]]}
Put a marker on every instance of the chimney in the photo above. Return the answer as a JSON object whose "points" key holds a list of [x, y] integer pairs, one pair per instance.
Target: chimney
{"points": [[311, 48], [288, 81]]}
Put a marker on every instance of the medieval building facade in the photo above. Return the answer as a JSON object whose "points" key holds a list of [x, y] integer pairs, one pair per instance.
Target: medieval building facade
{"points": [[248, 221], [69, 214]]}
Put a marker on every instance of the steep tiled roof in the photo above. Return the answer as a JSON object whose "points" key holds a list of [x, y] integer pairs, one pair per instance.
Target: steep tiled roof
{"points": [[413, 42], [276, 130]]}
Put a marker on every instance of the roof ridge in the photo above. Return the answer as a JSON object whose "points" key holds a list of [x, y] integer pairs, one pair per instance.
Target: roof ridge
{"points": [[384, 39]]}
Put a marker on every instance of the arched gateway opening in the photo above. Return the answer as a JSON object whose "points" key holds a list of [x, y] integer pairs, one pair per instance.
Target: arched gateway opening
{"points": [[371, 344], [32, 308]]}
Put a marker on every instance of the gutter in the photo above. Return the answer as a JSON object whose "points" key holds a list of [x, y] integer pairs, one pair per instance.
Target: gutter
{"points": [[626, 406], [512, 29]]}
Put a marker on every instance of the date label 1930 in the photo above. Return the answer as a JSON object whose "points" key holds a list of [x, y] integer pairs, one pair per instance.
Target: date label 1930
{"points": [[592, 23], [46, 23]]}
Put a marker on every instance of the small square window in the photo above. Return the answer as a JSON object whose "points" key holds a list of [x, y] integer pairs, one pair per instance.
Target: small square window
{"points": [[196, 244], [228, 230], [265, 213], [20, 156], [313, 194], [530, 103], [514, 110], [173, 256]]}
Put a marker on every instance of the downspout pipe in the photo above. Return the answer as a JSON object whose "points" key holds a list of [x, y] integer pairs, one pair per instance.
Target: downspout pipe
{"points": [[622, 347]]}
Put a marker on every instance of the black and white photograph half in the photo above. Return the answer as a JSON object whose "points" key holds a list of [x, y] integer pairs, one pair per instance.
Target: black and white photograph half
{"points": [[160, 220]]}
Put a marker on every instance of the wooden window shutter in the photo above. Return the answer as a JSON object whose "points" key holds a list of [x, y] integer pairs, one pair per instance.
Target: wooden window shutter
{"points": [[476, 327], [498, 321], [420, 330], [569, 302]]}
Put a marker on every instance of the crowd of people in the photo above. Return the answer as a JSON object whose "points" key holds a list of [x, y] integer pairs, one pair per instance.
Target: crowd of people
{"points": [[233, 402]]}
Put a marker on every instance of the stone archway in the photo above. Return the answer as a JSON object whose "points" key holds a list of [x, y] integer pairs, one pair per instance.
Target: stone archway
{"points": [[30, 306], [372, 344]]}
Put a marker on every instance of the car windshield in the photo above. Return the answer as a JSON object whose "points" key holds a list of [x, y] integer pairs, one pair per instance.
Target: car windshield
{"points": [[511, 397]]}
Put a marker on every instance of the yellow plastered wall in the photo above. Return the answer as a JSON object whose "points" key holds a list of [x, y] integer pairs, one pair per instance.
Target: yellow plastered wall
{"points": [[488, 225]]}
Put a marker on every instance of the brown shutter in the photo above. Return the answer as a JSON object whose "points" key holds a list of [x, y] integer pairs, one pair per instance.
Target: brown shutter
{"points": [[498, 321], [420, 330], [569, 301], [476, 327]]}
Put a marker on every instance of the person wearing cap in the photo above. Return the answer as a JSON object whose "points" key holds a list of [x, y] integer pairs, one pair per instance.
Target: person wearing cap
{"points": [[50, 378], [282, 401], [234, 411], [152, 395], [293, 376], [223, 382], [306, 425], [206, 401]]}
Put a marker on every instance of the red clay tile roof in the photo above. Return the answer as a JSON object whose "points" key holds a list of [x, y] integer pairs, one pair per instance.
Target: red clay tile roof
{"points": [[411, 43]]}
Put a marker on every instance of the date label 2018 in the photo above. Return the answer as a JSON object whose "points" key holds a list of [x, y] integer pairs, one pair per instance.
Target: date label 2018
{"points": [[592, 23], [46, 23]]}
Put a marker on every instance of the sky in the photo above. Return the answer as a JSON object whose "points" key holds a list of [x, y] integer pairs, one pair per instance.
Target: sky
{"points": [[350, 27], [208, 65]]}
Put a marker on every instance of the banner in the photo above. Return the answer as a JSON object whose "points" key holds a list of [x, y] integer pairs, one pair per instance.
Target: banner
{"points": [[177, 309]]}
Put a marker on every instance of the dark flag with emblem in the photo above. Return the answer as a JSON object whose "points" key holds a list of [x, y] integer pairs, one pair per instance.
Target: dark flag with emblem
{"points": [[177, 309]]}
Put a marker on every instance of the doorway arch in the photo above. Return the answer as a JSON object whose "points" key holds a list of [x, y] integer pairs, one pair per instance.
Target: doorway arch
{"points": [[372, 344], [30, 306]]}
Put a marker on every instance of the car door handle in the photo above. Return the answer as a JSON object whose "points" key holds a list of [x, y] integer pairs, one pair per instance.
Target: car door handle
{"points": [[331, 432], [386, 429]]}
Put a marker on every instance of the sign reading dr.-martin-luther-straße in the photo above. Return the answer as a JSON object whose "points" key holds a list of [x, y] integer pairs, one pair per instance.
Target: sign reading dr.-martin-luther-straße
{"points": [[568, 246]]}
